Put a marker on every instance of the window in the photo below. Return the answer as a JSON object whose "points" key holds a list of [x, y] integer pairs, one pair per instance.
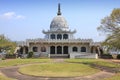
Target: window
{"points": [[35, 49], [59, 50], [65, 36], [26, 49], [21, 50], [43, 49], [83, 49], [75, 49], [52, 36], [65, 50], [59, 36], [52, 50]]}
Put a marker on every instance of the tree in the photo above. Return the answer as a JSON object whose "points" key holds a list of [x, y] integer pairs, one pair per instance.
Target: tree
{"points": [[110, 25], [6, 44]]}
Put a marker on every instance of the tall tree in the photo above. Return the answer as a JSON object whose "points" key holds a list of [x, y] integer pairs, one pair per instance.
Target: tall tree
{"points": [[6, 44], [110, 25]]}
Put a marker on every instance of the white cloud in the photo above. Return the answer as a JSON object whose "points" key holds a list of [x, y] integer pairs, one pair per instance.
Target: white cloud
{"points": [[11, 15], [20, 17]]}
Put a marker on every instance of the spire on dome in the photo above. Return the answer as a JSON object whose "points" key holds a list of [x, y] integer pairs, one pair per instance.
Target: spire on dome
{"points": [[59, 12]]}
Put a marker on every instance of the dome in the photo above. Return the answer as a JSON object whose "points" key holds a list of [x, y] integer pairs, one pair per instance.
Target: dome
{"points": [[59, 23]]}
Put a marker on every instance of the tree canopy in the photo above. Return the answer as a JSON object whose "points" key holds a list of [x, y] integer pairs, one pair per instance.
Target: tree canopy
{"points": [[110, 25], [6, 44]]}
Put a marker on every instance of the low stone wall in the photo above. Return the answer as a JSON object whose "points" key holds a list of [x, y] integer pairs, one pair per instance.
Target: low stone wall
{"points": [[37, 54], [84, 55]]}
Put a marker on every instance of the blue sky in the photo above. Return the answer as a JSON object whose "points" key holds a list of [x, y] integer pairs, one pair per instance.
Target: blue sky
{"points": [[23, 19]]}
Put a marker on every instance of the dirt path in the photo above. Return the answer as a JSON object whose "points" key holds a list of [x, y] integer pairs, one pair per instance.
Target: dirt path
{"points": [[12, 72]]}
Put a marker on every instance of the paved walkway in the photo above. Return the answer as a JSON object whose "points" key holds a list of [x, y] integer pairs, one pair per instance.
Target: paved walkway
{"points": [[12, 72]]}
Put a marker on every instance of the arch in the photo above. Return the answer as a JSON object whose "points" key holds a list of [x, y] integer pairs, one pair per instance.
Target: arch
{"points": [[65, 36], [26, 49], [21, 50], [52, 50], [59, 36], [65, 50], [75, 49], [52, 36], [35, 49], [83, 49], [59, 50], [43, 49]]}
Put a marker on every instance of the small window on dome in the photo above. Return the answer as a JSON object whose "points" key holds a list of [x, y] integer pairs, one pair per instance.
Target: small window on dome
{"points": [[65, 36], [52, 36], [59, 36]]}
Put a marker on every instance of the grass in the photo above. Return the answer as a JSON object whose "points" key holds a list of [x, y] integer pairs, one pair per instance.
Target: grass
{"points": [[58, 70], [98, 62], [15, 62], [74, 67], [115, 77]]}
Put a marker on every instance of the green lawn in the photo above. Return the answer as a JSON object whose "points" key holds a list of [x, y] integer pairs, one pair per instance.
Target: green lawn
{"points": [[98, 62], [58, 70], [14, 62], [73, 67]]}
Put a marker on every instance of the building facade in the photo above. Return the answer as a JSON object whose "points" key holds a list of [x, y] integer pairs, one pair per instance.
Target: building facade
{"points": [[59, 42]]}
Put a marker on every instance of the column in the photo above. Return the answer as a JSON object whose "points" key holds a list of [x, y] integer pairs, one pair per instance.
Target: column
{"points": [[62, 49], [62, 36], [49, 36], [55, 49], [48, 51], [24, 50]]}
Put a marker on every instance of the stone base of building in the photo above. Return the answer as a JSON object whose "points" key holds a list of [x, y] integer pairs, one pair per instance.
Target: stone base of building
{"points": [[84, 55], [71, 55]]}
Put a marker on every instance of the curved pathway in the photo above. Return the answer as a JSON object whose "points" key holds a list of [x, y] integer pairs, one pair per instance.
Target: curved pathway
{"points": [[12, 72]]}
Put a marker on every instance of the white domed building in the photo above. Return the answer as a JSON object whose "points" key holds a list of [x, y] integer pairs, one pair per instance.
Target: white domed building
{"points": [[59, 42]]}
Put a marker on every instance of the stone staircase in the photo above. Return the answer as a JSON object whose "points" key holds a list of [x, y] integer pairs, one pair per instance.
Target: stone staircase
{"points": [[59, 56]]}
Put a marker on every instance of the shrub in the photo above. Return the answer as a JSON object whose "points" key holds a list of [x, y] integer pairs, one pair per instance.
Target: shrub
{"points": [[118, 56], [3, 58], [10, 56], [106, 56], [30, 54]]}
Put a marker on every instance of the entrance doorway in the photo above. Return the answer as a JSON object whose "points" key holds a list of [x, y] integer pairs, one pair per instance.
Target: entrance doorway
{"points": [[65, 50], [59, 50], [52, 50]]}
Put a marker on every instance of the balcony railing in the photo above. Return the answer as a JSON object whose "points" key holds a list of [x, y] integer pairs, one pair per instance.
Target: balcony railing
{"points": [[59, 40]]}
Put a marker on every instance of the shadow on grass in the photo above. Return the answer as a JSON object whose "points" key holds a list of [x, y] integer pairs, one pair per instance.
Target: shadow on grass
{"points": [[100, 67]]}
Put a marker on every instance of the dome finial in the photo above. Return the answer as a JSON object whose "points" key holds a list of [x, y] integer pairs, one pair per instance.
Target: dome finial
{"points": [[59, 12]]}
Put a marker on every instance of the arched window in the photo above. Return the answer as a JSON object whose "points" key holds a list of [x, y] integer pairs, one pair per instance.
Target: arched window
{"points": [[35, 49], [52, 50], [59, 36], [65, 50], [83, 49], [59, 50], [75, 49], [26, 49], [21, 50], [43, 49], [65, 36], [52, 36]]}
